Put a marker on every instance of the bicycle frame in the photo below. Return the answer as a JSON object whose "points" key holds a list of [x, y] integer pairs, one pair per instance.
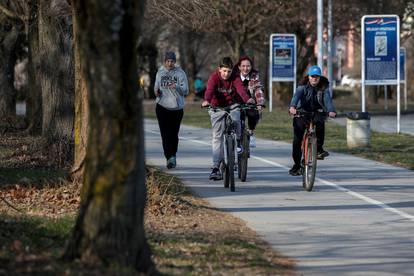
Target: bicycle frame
{"points": [[245, 141], [229, 139], [309, 149]]}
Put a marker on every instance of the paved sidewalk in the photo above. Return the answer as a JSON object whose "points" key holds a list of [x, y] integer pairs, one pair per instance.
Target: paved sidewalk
{"points": [[387, 123], [359, 220]]}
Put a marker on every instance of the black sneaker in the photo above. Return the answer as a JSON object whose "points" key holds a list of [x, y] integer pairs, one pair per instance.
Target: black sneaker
{"points": [[295, 170], [322, 154], [215, 174]]}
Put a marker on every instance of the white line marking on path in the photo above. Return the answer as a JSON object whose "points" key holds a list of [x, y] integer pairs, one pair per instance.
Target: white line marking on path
{"points": [[328, 183]]}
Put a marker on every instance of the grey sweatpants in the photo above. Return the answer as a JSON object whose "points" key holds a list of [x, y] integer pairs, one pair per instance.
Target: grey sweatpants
{"points": [[218, 125]]}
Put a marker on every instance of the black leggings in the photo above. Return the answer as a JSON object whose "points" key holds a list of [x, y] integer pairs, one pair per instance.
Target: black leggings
{"points": [[169, 122], [299, 126]]}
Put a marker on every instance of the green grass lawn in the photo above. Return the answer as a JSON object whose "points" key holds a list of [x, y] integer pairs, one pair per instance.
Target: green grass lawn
{"points": [[395, 149]]}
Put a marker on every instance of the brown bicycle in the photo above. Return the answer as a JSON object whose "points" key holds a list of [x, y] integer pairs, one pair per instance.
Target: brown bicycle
{"points": [[309, 147]]}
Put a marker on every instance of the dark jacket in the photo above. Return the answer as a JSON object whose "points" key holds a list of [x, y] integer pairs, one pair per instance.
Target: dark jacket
{"points": [[311, 98]]}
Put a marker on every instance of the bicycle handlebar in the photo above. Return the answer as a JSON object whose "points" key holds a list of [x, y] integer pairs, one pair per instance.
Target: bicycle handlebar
{"points": [[216, 108], [302, 113]]}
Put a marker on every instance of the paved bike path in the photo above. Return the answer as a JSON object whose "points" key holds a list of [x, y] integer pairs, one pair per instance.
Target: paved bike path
{"points": [[359, 220]]}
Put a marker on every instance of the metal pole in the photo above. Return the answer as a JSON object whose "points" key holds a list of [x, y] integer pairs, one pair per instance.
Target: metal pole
{"points": [[363, 96], [385, 97], [270, 73], [405, 95], [405, 80], [398, 78], [330, 46], [339, 76], [398, 106], [320, 33]]}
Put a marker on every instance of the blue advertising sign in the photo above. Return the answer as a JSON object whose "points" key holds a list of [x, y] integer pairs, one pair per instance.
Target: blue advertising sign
{"points": [[402, 64], [380, 37], [283, 57]]}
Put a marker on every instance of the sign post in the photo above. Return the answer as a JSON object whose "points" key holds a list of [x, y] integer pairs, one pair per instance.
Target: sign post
{"points": [[403, 73], [282, 61], [380, 54]]}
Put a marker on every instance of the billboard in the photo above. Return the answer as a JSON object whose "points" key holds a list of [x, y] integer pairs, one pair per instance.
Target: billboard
{"points": [[380, 49], [283, 57]]}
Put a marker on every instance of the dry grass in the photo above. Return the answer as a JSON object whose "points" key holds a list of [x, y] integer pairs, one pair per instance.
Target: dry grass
{"points": [[38, 206]]}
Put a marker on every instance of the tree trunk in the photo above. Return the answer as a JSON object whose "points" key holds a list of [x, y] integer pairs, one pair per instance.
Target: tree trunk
{"points": [[152, 64], [81, 113], [110, 223], [188, 62], [57, 75], [8, 40], [34, 112]]}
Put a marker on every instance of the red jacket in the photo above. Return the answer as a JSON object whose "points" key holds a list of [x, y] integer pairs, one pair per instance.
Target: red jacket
{"points": [[222, 93]]}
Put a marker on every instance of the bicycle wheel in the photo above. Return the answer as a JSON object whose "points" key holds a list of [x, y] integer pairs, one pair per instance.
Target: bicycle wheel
{"points": [[309, 159], [224, 163], [244, 156], [230, 162]]}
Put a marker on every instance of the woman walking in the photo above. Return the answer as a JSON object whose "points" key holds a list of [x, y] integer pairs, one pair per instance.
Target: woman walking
{"points": [[170, 87]]}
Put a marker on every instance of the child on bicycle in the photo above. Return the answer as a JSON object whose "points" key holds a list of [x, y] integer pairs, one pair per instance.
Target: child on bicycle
{"points": [[311, 95], [251, 82], [224, 89]]}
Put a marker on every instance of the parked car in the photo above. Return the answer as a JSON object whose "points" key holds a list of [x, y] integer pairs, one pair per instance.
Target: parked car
{"points": [[350, 82]]}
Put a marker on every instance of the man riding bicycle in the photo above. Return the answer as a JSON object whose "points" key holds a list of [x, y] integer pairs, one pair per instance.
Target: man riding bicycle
{"points": [[311, 95], [224, 90]]}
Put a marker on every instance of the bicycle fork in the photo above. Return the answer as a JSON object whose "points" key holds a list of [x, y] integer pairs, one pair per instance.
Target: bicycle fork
{"points": [[308, 133]]}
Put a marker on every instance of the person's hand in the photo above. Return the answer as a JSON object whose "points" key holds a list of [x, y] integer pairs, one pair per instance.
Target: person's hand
{"points": [[292, 110], [332, 114], [172, 85], [250, 101], [205, 104], [260, 108], [158, 92]]}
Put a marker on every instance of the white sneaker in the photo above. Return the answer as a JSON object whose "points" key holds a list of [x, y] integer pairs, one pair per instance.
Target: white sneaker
{"points": [[252, 141]]}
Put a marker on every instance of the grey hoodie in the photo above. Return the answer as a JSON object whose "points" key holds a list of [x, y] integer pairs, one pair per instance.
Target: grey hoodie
{"points": [[172, 99]]}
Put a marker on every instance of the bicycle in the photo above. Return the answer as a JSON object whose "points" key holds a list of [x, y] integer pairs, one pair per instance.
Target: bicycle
{"points": [[228, 164], [309, 148], [245, 143]]}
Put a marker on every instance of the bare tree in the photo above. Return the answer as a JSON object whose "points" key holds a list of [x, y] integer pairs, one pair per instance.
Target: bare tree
{"points": [[57, 75], [34, 98], [8, 39], [11, 38], [109, 226], [81, 113]]}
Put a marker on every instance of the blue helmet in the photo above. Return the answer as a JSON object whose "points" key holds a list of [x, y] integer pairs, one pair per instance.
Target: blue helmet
{"points": [[314, 70]]}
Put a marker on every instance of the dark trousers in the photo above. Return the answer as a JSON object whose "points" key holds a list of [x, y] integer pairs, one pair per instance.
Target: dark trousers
{"points": [[253, 117], [299, 126], [169, 122]]}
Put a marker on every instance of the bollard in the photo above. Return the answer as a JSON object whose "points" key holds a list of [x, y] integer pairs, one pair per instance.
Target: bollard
{"points": [[358, 132]]}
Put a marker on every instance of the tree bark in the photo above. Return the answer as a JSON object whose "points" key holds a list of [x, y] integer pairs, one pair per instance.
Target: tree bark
{"points": [[8, 39], [81, 113], [110, 226], [34, 112], [57, 75]]}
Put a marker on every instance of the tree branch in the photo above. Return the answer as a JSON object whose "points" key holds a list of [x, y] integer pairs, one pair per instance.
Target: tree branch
{"points": [[12, 14]]}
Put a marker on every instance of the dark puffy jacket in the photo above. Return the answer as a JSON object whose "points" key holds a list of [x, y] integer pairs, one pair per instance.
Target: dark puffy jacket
{"points": [[312, 98]]}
